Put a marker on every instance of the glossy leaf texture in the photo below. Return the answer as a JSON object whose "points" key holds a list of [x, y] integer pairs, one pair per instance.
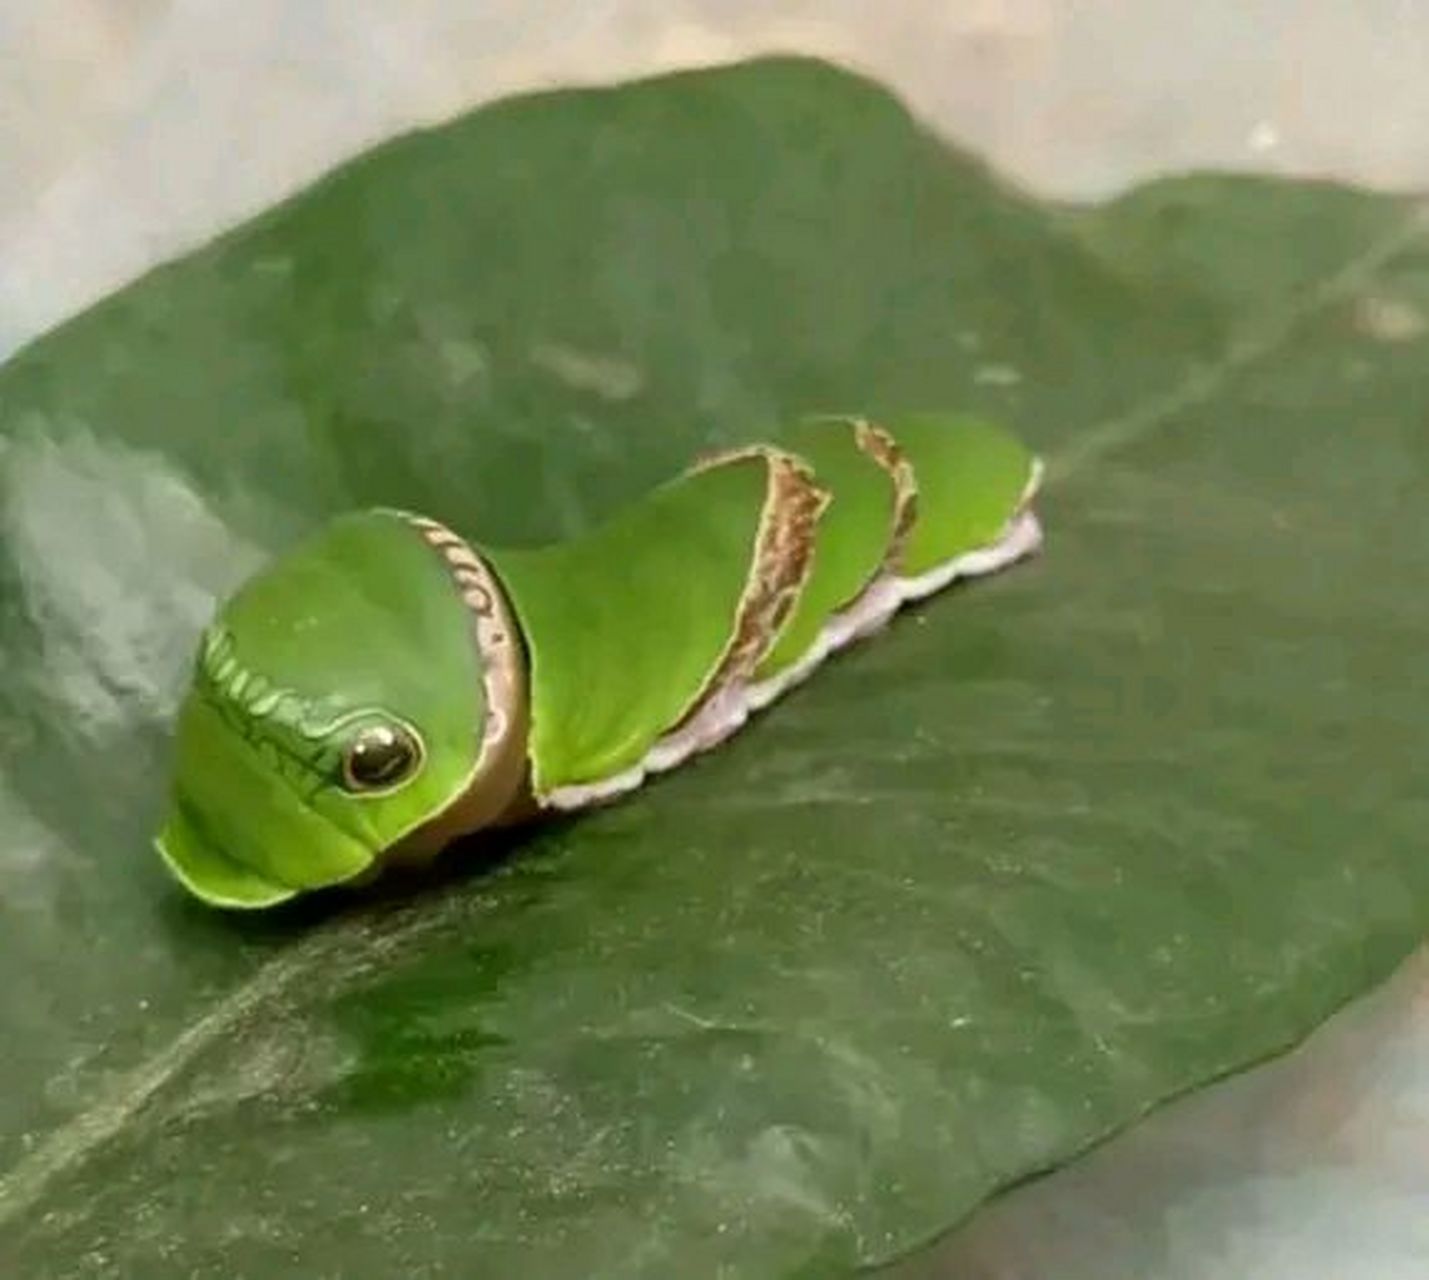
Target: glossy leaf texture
{"points": [[1052, 850]]}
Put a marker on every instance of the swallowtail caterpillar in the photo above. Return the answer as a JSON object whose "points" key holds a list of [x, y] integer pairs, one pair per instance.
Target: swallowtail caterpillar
{"points": [[389, 685]]}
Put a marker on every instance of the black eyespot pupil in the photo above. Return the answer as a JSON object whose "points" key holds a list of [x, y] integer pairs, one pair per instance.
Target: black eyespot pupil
{"points": [[380, 757]]}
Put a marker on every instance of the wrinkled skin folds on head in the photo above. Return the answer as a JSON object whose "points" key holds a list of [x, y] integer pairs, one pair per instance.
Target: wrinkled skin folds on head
{"points": [[336, 705]]}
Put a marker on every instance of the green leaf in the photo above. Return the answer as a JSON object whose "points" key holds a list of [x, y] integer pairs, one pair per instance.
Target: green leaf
{"points": [[1052, 850]]}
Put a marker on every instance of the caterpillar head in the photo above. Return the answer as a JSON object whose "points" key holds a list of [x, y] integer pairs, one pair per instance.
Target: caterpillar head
{"points": [[357, 702]]}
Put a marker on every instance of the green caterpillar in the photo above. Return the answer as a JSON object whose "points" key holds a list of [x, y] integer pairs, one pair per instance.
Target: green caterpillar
{"points": [[388, 685]]}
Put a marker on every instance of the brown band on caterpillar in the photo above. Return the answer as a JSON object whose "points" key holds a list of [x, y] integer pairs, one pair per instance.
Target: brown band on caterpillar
{"points": [[499, 778], [783, 558], [880, 445]]}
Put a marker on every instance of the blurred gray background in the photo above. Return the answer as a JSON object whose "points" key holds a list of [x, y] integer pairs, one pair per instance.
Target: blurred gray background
{"points": [[131, 129]]}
